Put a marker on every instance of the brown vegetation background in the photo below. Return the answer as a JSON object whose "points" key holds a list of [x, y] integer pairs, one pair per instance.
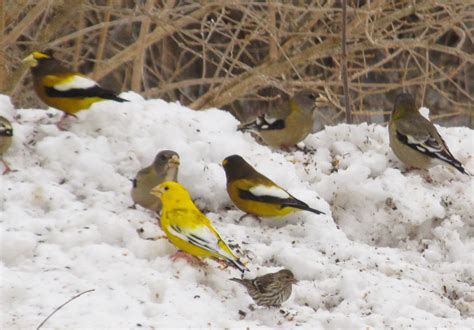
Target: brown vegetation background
{"points": [[243, 55]]}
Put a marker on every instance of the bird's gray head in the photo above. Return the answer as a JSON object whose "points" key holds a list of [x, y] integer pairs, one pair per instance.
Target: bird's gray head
{"points": [[286, 276], [404, 104], [308, 100], [167, 158]]}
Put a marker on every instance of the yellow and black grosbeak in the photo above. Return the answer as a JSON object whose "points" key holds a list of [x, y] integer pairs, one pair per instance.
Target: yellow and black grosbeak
{"points": [[63, 88], [256, 194]]}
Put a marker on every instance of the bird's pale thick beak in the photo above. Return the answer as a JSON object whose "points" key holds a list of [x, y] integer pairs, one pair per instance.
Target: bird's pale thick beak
{"points": [[174, 160], [321, 99], [157, 191], [30, 60]]}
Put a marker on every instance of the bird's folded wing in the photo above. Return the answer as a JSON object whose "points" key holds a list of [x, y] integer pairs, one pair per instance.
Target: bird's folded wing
{"points": [[64, 83], [264, 283], [201, 236], [269, 194], [417, 134], [263, 123]]}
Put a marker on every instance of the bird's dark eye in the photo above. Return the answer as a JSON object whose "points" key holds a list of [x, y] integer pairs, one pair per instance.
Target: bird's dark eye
{"points": [[313, 96], [167, 188], [163, 157]]}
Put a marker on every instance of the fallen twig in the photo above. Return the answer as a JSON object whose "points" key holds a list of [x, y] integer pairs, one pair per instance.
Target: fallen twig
{"points": [[58, 308]]}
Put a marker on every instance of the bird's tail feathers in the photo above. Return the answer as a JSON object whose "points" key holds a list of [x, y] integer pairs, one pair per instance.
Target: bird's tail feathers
{"points": [[460, 168], [238, 264], [307, 208], [246, 127], [118, 99]]}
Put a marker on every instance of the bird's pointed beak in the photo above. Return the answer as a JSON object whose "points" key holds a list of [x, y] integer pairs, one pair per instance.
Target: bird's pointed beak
{"points": [[30, 60], [174, 160], [321, 99], [157, 191]]}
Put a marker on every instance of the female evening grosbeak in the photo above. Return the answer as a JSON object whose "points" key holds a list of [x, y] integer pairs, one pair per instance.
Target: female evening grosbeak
{"points": [[164, 168], [6, 136], [256, 194], [415, 140], [288, 124], [63, 88]]}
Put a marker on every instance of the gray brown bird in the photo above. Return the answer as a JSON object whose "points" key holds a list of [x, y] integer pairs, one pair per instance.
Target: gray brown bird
{"points": [[415, 140], [270, 290], [6, 136], [164, 168], [288, 124]]}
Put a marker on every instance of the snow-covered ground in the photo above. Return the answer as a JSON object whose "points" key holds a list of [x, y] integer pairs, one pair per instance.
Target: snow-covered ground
{"points": [[394, 250]]}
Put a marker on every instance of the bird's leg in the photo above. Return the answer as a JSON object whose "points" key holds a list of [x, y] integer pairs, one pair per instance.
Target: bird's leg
{"points": [[288, 148], [7, 168], [306, 149], [60, 123], [427, 177], [222, 264], [249, 215], [193, 260], [408, 169]]}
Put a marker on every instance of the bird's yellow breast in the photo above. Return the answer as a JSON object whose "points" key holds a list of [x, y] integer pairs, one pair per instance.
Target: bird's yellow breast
{"points": [[260, 209]]}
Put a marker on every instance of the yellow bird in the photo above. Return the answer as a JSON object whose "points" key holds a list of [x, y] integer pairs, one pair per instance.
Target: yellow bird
{"points": [[63, 88], [415, 140], [254, 193], [6, 136], [188, 229]]}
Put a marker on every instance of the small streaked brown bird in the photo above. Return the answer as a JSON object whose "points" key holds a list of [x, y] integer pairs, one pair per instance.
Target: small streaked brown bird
{"points": [[6, 136], [164, 168], [63, 88], [254, 193], [415, 140], [270, 290], [288, 124]]}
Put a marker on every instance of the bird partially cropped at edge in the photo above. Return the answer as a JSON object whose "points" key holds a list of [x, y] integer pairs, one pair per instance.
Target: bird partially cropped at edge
{"points": [[415, 140], [6, 137], [288, 124], [255, 194], [63, 88], [269, 290], [188, 228], [164, 168]]}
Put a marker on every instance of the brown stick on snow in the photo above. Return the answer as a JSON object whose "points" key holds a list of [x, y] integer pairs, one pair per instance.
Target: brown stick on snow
{"points": [[58, 308]]}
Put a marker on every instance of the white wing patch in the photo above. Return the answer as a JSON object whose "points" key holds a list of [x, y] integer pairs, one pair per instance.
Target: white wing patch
{"points": [[200, 236], [261, 190], [425, 112], [76, 82], [270, 119], [429, 145]]}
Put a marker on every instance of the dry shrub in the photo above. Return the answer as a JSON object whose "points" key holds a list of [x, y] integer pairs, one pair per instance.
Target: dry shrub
{"points": [[243, 55]]}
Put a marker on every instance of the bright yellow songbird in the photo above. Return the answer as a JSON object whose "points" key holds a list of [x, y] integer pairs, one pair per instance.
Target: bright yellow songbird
{"points": [[188, 228]]}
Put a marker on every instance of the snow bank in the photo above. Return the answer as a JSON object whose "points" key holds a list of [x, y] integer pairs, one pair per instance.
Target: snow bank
{"points": [[394, 249]]}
